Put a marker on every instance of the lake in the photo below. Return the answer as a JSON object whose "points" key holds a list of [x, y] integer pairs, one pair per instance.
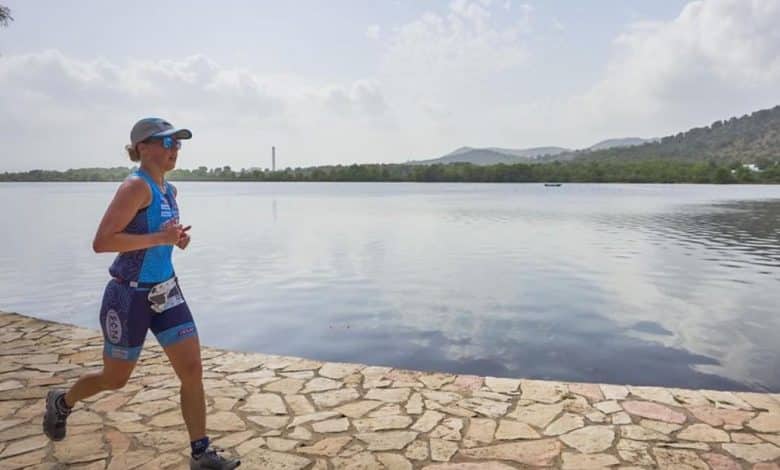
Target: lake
{"points": [[672, 285]]}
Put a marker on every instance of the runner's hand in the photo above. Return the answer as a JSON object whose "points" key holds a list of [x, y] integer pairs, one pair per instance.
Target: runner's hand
{"points": [[184, 239], [171, 232]]}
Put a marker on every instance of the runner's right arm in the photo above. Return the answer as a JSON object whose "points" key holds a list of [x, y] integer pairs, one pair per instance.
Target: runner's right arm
{"points": [[133, 194]]}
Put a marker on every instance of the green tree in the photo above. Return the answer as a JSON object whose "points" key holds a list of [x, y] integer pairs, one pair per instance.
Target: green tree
{"points": [[723, 175], [585, 171], [5, 16]]}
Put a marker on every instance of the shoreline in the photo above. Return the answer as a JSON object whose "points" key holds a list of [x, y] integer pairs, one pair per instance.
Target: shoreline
{"points": [[296, 413], [563, 183]]}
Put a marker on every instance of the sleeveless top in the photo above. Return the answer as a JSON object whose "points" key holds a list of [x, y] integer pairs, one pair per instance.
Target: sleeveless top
{"points": [[150, 265]]}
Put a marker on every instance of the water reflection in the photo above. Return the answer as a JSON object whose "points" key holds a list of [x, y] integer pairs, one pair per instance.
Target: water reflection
{"points": [[748, 229], [650, 284]]}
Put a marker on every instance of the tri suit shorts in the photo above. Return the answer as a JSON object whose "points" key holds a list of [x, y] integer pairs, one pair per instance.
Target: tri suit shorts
{"points": [[127, 313]]}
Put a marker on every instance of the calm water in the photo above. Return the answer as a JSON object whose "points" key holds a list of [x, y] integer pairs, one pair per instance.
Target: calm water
{"points": [[639, 284]]}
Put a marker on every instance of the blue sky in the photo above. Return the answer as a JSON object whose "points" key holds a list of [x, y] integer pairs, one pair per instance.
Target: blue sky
{"points": [[355, 81]]}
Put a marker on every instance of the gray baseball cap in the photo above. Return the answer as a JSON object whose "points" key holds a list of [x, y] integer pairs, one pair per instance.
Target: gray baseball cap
{"points": [[156, 127]]}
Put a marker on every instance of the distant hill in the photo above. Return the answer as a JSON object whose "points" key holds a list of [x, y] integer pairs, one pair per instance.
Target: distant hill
{"points": [[531, 153], [625, 142], [493, 155], [751, 138]]}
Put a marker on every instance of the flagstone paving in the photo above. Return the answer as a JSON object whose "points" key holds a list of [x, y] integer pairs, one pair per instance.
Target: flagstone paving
{"points": [[293, 413]]}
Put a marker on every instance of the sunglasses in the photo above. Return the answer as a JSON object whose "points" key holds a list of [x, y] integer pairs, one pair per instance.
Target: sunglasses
{"points": [[168, 142]]}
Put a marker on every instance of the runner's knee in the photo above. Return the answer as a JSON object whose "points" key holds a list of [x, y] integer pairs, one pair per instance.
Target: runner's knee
{"points": [[114, 379], [114, 382], [191, 372]]}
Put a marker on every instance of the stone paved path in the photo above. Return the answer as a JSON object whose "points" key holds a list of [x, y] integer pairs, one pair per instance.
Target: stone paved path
{"points": [[292, 413]]}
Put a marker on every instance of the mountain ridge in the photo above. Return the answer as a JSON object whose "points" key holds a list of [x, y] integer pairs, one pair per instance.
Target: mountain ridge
{"points": [[495, 155], [751, 137]]}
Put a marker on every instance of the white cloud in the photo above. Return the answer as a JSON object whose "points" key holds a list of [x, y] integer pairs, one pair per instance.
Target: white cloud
{"points": [[438, 73], [363, 97], [90, 105], [443, 68], [461, 75], [373, 31], [193, 83], [526, 14], [717, 56], [464, 41]]}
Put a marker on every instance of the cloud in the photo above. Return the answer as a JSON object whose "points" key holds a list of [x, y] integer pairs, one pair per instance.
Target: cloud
{"points": [[363, 97], [193, 83], [715, 57], [526, 15], [437, 74], [373, 31], [50, 75], [54, 95], [443, 67], [464, 40], [465, 74]]}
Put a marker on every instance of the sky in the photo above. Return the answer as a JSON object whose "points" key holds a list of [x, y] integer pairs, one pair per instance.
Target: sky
{"points": [[350, 81]]}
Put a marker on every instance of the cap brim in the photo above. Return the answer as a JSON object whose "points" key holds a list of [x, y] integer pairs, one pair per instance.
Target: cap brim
{"points": [[181, 134]]}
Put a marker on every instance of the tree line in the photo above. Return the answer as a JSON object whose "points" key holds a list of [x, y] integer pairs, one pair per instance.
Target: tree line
{"points": [[641, 171]]}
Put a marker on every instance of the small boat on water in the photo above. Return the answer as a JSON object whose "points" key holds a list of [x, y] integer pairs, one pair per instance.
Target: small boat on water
{"points": [[554, 185]]}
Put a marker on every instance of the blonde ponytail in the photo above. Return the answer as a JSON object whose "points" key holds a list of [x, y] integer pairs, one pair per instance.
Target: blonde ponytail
{"points": [[132, 152]]}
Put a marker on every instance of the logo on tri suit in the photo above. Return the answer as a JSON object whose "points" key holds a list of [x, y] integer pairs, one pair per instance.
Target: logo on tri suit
{"points": [[117, 353], [186, 331], [165, 210], [113, 326]]}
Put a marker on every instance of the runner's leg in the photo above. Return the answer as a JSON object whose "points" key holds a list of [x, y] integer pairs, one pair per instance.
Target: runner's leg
{"points": [[185, 359], [114, 376], [175, 331], [124, 319]]}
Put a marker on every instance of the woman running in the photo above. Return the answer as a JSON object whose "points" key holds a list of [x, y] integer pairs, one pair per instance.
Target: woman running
{"points": [[142, 225]]}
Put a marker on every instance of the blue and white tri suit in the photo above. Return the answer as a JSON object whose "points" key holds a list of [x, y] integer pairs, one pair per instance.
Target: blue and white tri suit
{"points": [[127, 312]]}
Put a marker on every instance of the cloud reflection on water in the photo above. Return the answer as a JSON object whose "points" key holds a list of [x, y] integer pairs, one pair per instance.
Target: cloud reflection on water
{"points": [[647, 284]]}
